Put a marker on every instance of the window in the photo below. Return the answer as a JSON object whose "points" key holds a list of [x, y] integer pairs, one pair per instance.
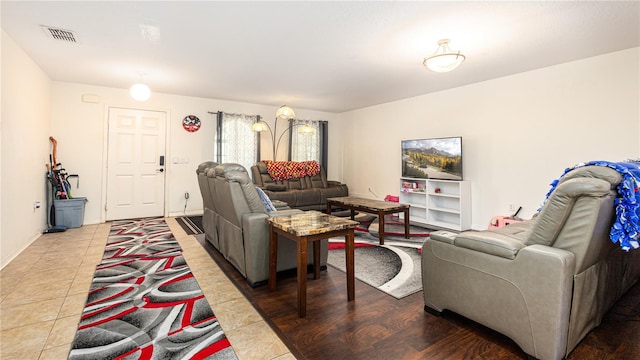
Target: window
{"points": [[304, 147], [235, 142]]}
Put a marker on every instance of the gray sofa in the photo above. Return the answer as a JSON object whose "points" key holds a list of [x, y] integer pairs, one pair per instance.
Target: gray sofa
{"points": [[240, 231], [208, 214], [305, 193], [546, 282]]}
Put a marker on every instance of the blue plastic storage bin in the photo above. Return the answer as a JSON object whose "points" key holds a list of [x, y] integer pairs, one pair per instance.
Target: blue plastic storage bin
{"points": [[70, 212]]}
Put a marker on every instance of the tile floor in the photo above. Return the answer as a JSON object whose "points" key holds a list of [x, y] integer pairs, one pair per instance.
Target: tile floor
{"points": [[43, 291]]}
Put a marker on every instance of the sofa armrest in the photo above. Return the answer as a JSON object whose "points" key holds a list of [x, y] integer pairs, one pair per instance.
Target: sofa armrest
{"points": [[256, 245], [443, 236], [526, 298], [280, 205], [276, 188], [285, 212], [255, 230], [489, 242]]}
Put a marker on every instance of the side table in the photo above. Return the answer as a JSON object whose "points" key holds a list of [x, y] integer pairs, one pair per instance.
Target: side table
{"points": [[311, 226], [376, 207]]}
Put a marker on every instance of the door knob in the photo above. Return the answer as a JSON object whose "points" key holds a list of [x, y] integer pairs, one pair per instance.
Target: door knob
{"points": [[160, 170]]}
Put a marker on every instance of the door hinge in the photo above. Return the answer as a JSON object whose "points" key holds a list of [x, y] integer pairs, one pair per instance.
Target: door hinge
{"points": [[105, 207]]}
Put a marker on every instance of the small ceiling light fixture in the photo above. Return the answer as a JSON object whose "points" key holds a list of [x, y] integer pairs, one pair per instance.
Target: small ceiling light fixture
{"points": [[444, 59], [140, 91]]}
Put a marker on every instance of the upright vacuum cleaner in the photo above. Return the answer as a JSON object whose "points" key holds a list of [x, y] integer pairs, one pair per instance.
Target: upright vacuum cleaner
{"points": [[57, 186]]}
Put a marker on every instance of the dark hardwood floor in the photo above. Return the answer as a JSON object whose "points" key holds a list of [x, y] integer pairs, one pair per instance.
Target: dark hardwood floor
{"points": [[378, 326]]}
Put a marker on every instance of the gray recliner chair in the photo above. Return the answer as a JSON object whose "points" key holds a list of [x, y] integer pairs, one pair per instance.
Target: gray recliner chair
{"points": [[545, 282], [242, 229]]}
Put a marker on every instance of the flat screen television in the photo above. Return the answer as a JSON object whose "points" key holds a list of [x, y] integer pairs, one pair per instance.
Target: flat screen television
{"points": [[439, 158]]}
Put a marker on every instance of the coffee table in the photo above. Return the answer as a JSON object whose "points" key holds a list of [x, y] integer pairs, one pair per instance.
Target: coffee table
{"points": [[310, 226], [376, 207]]}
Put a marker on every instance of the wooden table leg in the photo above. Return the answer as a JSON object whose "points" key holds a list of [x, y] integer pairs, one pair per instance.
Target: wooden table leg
{"points": [[302, 276], [328, 208], [406, 223], [381, 227], [273, 257], [316, 259], [349, 248]]}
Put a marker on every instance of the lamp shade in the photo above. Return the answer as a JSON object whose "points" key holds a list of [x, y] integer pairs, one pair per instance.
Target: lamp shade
{"points": [[444, 59], [259, 126], [306, 130], [285, 112], [140, 92]]}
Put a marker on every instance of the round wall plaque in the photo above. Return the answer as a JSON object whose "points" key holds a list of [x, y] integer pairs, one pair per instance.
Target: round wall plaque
{"points": [[191, 123]]}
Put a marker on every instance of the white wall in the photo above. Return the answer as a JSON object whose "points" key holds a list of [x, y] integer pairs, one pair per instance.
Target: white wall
{"points": [[80, 129], [25, 124], [519, 132]]}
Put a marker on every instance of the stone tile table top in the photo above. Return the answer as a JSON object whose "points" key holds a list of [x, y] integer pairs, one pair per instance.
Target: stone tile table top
{"points": [[311, 223], [373, 205]]}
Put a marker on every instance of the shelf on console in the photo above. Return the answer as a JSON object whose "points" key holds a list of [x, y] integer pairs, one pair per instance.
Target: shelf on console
{"points": [[440, 203]]}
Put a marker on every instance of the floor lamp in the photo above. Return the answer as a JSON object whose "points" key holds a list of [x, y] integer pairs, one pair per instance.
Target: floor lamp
{"points": [[284, 112]]}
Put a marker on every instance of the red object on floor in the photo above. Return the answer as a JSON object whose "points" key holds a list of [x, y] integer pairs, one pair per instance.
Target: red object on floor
{"points": [[392, 198], [340, 245], [500, 221], [393, 233]]}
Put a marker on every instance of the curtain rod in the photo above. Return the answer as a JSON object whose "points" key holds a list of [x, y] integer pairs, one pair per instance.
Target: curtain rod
{"points": [[218, 112]]}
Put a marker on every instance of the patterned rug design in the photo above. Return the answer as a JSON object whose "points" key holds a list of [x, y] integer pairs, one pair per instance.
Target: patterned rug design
{"points": [[395, 267], [144, 302]]}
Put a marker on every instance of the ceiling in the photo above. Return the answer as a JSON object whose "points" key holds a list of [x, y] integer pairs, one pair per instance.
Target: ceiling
{"points": [[329, 56]]}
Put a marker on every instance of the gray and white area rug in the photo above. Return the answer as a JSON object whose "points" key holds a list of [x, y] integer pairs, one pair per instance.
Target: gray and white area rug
{"points": [[393, 268]]}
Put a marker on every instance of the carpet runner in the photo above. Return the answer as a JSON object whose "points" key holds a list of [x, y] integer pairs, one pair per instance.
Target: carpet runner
{"points": [[144, 302]]}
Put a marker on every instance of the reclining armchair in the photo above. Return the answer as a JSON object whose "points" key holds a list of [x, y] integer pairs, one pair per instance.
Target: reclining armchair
{"points": [[545, 282], [242, 229]]}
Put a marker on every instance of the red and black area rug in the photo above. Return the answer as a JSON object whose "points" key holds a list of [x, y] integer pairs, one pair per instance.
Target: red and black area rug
{"points": [[144, 302]]}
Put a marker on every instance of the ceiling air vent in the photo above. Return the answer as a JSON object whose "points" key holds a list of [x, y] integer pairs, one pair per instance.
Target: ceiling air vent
{"points": [[59, 34]]}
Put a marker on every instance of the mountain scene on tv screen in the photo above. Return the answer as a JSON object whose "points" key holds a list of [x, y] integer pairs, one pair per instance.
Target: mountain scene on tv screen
{"points": [[436, 159]]}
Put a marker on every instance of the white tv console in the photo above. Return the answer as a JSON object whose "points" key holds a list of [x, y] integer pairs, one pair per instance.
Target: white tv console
{"points": [[439, 203]]}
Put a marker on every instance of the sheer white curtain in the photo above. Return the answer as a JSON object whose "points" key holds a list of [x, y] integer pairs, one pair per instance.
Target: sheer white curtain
{"points": [[236, 142], [305, 146]]}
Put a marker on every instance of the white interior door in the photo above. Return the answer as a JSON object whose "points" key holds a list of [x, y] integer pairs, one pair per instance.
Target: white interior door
{"points": [[135, 163]]}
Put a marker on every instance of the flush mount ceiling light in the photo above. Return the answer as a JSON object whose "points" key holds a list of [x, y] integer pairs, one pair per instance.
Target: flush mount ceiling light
{"points": [[444, 59], [140, 92]]}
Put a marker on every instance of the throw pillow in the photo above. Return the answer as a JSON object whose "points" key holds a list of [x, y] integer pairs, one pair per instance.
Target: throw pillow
{"points": [[268, 205]]}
